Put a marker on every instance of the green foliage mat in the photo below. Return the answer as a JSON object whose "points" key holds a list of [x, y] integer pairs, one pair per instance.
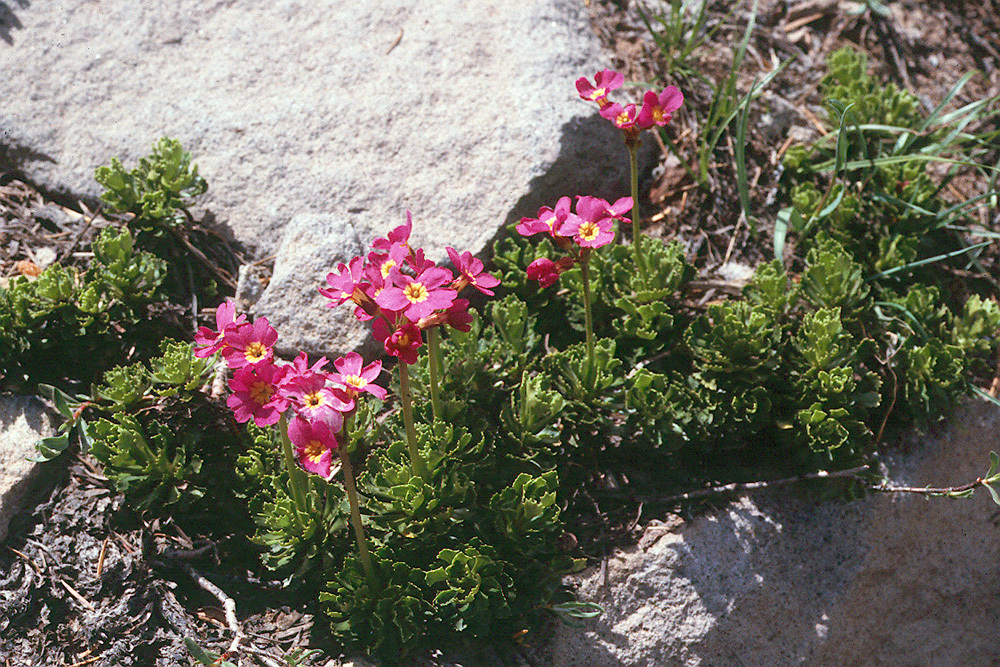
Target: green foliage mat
{"points": [[875, 319]]}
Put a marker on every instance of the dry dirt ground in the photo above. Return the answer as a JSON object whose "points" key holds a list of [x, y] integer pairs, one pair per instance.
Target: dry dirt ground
{"points": [[83, 581]]}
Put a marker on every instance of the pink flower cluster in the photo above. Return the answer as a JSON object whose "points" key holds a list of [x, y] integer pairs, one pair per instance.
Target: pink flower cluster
{"points": [[590, 226], [263, 390], [656, 109], [405, 293]]}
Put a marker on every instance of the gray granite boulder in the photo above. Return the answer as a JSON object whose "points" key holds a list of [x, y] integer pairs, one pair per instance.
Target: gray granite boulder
{"points": [[892, 580], [463, 111], [23, 421], [311, 245]]}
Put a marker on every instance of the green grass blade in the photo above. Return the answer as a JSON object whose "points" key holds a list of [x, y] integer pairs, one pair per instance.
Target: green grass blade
{"points": [[968, 110], [740, 150], [929, 260], [898, 159], [939, 109], [832, 206], [958, 207], [917, 326], [974, 232], [724, 99], [983, 394], [787, 217]]}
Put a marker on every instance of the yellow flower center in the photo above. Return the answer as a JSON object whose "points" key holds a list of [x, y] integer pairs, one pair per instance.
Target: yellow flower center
{"points": [[314, 450], [261, 392], [313, 400], [256, 351], [658, 114], [355, 381], [386, 266], [416, 292], [551, 222], [622, 119], [589, 231], [598, 93]]}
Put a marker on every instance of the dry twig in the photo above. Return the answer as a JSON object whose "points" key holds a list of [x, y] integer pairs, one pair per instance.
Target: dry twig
{"points": [[228, 605]]}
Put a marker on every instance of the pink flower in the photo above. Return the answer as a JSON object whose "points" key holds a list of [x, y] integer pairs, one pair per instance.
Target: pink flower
{"points": [[314, 443], [300, 367], [593, 208], [396, 257], [471, 270], [420, 296], [604, 82], [623, 117], [346, 285], [458, 316], [208, 342], [402, 342], [316, 401], [255, 393], [400, 235], [249, 343], [547, 272], [548, 220], [357, 380], [659, 109], [589, 233], [418, 262]]}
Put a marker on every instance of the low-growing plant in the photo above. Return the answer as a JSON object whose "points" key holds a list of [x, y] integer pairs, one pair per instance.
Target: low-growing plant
{"points": [[154, 201], [152, 428], [70, 324], [453, 542], [73, 322], [429, 512], [880, 204], [158, 191]]}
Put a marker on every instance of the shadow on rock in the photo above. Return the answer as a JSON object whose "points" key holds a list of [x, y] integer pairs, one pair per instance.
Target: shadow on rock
{"points": [[9, 20], [592, 161]]}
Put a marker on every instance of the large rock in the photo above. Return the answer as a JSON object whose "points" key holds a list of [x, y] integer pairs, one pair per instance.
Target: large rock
{"points": [[23, 421], [463, 111], [775, 580]]}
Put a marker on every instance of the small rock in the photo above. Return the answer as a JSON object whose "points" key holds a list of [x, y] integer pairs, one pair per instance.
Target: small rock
{"points": [[311, 247], [735, 272], [23, 421]]}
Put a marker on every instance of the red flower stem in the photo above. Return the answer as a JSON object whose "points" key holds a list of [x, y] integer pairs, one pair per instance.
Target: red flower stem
{"points": [[433, 363], [295, 474], [352, 499], [406, 402]]}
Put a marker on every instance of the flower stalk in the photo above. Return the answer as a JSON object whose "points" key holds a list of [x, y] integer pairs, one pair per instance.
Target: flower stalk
{"points": [[406, 403], [434, 363], [352, 499], [640, 260], [296, 476], [588, 319]]}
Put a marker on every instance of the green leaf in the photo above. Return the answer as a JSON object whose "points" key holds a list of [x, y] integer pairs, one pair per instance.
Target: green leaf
{"points": [[63, 402], [50, 448], [788, 216], [739, 149], [994, 464], [204, 657], [993, 493], [574, 613]]}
